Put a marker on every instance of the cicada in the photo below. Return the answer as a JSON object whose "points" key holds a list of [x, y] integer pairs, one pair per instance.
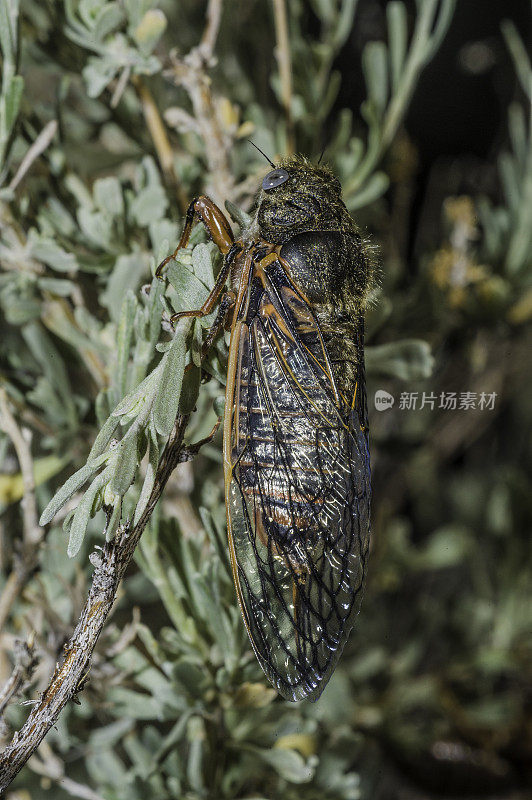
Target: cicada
{"points": [[292, 290]]}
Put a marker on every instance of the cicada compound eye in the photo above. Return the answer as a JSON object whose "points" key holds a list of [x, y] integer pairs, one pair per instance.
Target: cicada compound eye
{"points": [[274, 178]]}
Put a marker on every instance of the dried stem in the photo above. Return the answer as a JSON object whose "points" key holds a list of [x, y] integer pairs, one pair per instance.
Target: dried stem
{"points": [[38, 147], [50, 766], [21, 443], [160, 139], [112, 565], [25, 663], [190, 72], [282, 54], [210, 34], [32, 532]]}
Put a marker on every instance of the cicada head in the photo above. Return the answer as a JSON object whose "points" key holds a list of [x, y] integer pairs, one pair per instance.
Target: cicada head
{"points": [[300, 197]]}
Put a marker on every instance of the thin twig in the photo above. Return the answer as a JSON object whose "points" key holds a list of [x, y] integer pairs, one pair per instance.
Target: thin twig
{"points": [[38, 147], [50, 766], [282, 54], [190, 72], [21, 443], [25, 663], [160, 139], [210, 34], [32, 532], [114, 559]]}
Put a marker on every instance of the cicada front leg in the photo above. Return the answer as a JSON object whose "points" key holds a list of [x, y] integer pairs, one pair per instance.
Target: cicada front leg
{"points": [[216, 290], [220, 232], [214, 220]]}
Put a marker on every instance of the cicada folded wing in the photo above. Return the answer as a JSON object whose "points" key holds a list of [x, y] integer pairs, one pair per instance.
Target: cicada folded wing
{"points": [[297, 488]]}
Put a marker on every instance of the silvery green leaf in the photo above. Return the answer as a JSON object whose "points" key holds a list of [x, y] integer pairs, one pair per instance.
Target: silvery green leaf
{"points": [[348, 160], [518, 132], [190, 677], [108, 427], [202, 264], [125, 465], [44, 351], [80, 191], [113, 521], [50, 253], [237, 214], [110, 735], [166, 404], [289, 764], [96, 226], [219, 405], [82, 515], [98, 74], [397, 38], [108, 196], [154, 308], [408, 359], [123, 336], [190, 292], [342, 133], [149, 478], [145, 388], [446, 546], [149, 205], [371, 191], [511, 180], [519, 55], [57, 286], [163, 237], [197, 342], [111, 16], [9, 13], [54, 217], [327, 102], [10, 105], [139, 705], [190, 389], [344, 21], [445, 15], [149, 30], [376, 73], [68, 489]]}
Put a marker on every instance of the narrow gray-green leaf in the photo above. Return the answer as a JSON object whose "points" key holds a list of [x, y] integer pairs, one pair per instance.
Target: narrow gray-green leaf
{"points": [[103, 438], [149, 478], [376, 73], [167, 402], [67, 490], [190, 389], [83, 513], [202, 264], [409, 359], [374, 188], [124, 334], [126, 465], [129, 402], [397, 39]]}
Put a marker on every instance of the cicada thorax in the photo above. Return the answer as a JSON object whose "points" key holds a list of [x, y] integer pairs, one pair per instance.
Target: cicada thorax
{"points": [[333, 268]]}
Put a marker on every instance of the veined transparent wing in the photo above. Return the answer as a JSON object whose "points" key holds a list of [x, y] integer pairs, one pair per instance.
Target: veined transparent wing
{"points": [[297, 488]]}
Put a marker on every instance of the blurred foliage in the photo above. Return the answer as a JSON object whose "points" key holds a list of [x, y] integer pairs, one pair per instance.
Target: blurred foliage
{"points": [[102, 130]]}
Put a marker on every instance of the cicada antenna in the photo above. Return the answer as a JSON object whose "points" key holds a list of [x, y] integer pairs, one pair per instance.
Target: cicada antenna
{"points": [[261, 152], [322, 152]]}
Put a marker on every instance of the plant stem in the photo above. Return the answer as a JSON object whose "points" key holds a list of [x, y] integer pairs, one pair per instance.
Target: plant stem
{"points": [[282, 54], [64, 683]]}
